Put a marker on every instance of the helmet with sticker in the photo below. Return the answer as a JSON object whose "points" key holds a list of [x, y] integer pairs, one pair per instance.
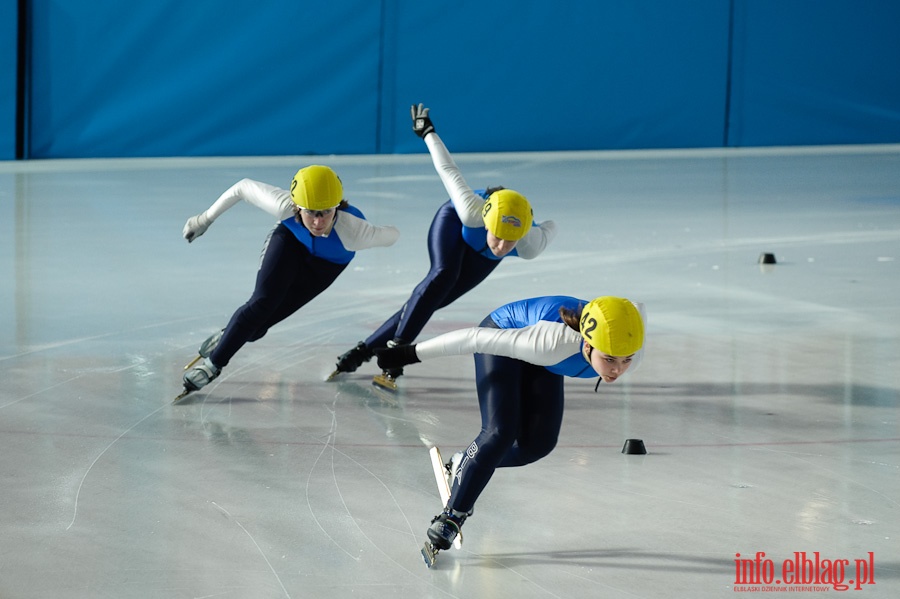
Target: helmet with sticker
{"points": [[507, 214]]}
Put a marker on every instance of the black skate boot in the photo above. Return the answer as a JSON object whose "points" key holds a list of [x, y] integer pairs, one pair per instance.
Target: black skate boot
{"points": [[351, 360], [444, 529]]}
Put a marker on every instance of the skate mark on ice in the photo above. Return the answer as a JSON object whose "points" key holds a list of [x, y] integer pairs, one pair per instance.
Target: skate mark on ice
{"points": [[100, 455], [125, 333], [329, 443], [329, 440], [269, 359], [29, 396], [258, 548]]}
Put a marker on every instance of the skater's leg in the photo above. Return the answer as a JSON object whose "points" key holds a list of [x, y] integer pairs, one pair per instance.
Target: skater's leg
{"points": [[386, 332], [499, 384], [314, 276], [498, 381], [541, 417], [272, 281], [446, 250], [475, 269], [285, 268]]}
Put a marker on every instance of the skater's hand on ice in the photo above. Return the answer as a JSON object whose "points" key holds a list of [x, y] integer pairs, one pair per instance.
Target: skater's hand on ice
{"points": [[422, 124], [196, 226], [397, 356]]}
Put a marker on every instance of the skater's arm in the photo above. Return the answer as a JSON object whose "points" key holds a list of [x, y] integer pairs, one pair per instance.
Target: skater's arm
{"points": [[358, 234], [537, 240], [468, 204], [543, 344], [273, 200]]}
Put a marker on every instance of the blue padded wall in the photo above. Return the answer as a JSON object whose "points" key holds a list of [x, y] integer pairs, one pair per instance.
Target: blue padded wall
{"points": [[534, 75], [9, 15], [283, 77], [204, 77], [815, 73]]}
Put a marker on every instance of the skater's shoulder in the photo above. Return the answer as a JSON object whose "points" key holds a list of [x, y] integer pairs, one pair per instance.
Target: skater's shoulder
{"points": [[346, 207], [356, 233]]}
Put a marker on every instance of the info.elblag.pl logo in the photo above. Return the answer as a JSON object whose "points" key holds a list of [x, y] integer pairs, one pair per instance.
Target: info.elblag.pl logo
{"points": [[802, 572]]}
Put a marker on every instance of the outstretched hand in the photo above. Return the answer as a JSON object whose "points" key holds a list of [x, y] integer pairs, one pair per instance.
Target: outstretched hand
{"points": [[422, 124], [397, 356], [196, 226]]}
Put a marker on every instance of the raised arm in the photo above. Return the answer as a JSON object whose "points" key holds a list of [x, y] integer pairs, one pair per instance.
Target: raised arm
{"points": [[468, 204]]}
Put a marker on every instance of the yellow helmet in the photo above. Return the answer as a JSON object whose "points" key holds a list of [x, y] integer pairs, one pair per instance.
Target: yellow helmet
{"points": [[507, 214], [613, 325], [316, 187]]}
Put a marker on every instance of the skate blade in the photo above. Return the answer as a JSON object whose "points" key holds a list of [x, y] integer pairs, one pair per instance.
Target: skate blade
{"points": [[194, 361], [332, 376], [429, 554], [182, 395], [385, 382]]}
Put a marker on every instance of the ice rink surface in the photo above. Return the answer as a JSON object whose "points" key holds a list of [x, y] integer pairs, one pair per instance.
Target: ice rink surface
{"points": [[767, 400]]}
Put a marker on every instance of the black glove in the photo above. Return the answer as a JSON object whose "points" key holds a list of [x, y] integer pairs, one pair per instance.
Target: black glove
{"points": [[422, 124], [397, 356]]}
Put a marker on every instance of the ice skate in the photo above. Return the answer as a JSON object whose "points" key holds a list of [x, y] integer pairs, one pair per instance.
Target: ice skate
{"points": [[445, 528], [388, 379], [207, 347], [198, 377], [351, 360], [443, 476]]}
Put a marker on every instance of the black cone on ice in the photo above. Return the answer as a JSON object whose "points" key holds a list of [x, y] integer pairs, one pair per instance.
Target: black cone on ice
{"points": [[634, 447]]}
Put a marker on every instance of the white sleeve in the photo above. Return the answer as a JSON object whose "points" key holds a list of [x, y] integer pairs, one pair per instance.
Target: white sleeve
{"points": [[468, 204], [358, 234], [543, 344], [537, 240], [271, 199]]}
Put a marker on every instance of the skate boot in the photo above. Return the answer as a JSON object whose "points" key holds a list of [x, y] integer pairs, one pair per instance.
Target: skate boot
{"points": [[198, 377], [207, 347], [445, 527], [351, 360]]}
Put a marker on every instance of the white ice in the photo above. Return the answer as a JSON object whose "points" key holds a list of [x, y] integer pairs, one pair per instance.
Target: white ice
{"points": [[768, 398]]}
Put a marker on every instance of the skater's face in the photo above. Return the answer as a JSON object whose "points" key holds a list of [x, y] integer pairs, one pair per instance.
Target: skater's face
{"points": [[499, 247], [609, 368], [318, 222]]}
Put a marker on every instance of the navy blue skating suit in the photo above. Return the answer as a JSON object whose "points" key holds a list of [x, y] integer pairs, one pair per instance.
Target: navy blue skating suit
{"points": [[296, 266], [522, 352], [458, 251]]}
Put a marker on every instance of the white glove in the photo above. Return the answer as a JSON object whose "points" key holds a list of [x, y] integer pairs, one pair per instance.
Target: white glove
{"points": [[196, 226]]}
